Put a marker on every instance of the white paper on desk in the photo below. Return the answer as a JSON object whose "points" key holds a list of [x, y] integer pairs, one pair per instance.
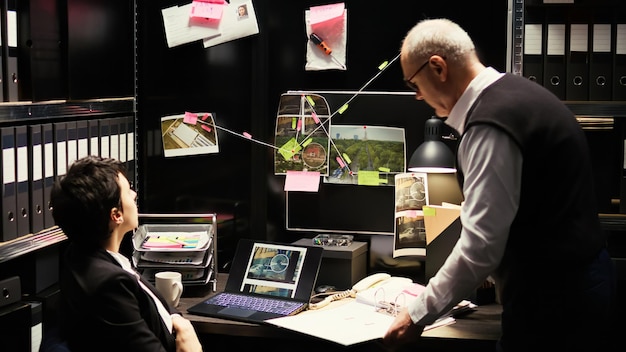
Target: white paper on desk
{"points": [[346, 324], [178, 29], [232, 26]]}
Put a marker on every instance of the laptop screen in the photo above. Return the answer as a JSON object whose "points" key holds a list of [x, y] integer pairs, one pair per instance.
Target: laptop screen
{"points": [[274, 269]]}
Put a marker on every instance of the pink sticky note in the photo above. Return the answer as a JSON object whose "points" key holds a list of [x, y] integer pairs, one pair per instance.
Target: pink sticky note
{"points": [[209, 11], [315, 118], [206, 128], [204, 117], [190, 118], [340, 162], [247, 135], [324, 13], [303, 181], [299, 126]]}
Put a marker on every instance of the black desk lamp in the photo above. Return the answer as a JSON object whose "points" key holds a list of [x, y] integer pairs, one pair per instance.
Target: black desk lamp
{"points": [[432, 156]]}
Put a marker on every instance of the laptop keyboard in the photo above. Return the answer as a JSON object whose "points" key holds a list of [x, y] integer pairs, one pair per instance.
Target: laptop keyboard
{"points": [[255, 303]]}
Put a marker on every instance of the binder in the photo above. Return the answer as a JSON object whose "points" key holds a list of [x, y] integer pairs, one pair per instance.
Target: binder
{"points": [[123, 154], [577, 81], [114, 138], [2, 80], [601, 58], [72, 142], [105, 138], [82, 127], [130, 147], [12, 69], [22, 173], [36, 157], [60, 149], [9, 221], [94, 137], [619, 60], [554, 63], [532, 58], [49, 165]]}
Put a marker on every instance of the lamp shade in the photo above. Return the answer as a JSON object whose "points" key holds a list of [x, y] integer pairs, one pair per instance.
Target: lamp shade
{"points": [[432, 156]]}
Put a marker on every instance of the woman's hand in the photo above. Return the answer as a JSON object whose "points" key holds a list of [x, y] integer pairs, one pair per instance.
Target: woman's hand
{"points": [[186, 337]]}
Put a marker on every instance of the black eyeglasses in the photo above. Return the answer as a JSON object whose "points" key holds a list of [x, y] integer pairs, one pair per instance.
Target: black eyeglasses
{"points": [[412, 85]]}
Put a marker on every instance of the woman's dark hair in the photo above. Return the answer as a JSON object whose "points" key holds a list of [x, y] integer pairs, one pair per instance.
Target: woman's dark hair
{"points": [[82, 199]]}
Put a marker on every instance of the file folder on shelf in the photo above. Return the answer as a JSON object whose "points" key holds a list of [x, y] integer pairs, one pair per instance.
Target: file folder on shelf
{"points": [[105, 138], [601, 59], [49, 165], [94, 137], [9, 221], [22, 173], [36, 178], [130, 147], [60, 149], [82, 128], [532, 59], [72, 142], [554, 59], [619, 66], [577, 67], [114, 138], [12, 37]]}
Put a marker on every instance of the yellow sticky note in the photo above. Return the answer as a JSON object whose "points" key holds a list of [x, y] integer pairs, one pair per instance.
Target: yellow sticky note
{"points": [[311, 101], [346, 158], [343, 108], [368, 178], [384, 169], [429, 211], [289, 149]]}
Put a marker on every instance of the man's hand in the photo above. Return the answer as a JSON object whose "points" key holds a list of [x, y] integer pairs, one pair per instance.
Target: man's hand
{"points": [[402, 331]]}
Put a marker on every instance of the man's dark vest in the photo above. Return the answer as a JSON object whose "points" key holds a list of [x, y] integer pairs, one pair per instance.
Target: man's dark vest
{"points": [[557, 223]]}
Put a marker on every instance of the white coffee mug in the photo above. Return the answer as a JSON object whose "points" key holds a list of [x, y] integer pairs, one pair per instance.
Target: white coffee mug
{"points": [[170, 285]]}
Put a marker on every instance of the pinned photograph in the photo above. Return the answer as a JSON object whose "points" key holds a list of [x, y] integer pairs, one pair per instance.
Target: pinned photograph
{"points": [[189, 134]]}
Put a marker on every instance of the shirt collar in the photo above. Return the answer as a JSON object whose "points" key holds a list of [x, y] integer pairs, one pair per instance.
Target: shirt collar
{"points": [[456, 118]]}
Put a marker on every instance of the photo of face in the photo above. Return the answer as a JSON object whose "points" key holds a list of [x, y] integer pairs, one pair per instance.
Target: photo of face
{"points": [[242, 10]]}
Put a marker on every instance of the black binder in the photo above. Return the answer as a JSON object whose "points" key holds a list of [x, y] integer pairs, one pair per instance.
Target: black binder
{"points": [[60, 149], [94, 137], [35, 155], [9, 187], [72, 142], [619, 58], [23, 184], [130, 149], [554, 64], [82, 128], [601, 58], [49, 165], [12, 38], [105, 138], [532, 59], [577, 76]]}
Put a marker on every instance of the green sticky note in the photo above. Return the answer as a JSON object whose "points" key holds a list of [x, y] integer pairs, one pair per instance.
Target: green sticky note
{"points": [[311, 101], [293, 122], [368, 178], [306, 142], [384, 169], [343, 108], [289, 149], [429, 211], [383, 181], [383, 65], [346, 158]]}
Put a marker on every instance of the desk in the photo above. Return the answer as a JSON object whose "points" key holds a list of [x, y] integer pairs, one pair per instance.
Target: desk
{"points": [[477, 331]]}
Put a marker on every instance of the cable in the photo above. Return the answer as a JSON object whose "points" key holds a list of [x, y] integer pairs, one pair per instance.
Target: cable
{"points": [[334, 297]]}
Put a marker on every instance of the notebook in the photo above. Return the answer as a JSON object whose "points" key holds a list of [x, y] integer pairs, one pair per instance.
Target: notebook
{"points": [[284, 274]]}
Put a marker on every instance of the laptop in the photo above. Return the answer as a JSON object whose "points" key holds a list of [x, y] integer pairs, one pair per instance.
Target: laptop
{"points": [[282, 275]]}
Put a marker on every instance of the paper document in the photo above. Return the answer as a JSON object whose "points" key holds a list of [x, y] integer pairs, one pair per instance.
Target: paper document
{"points": [[347, 324]]}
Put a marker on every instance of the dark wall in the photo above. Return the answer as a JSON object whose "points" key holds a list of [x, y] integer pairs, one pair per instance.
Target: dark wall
{"points": [[241, 82]]}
